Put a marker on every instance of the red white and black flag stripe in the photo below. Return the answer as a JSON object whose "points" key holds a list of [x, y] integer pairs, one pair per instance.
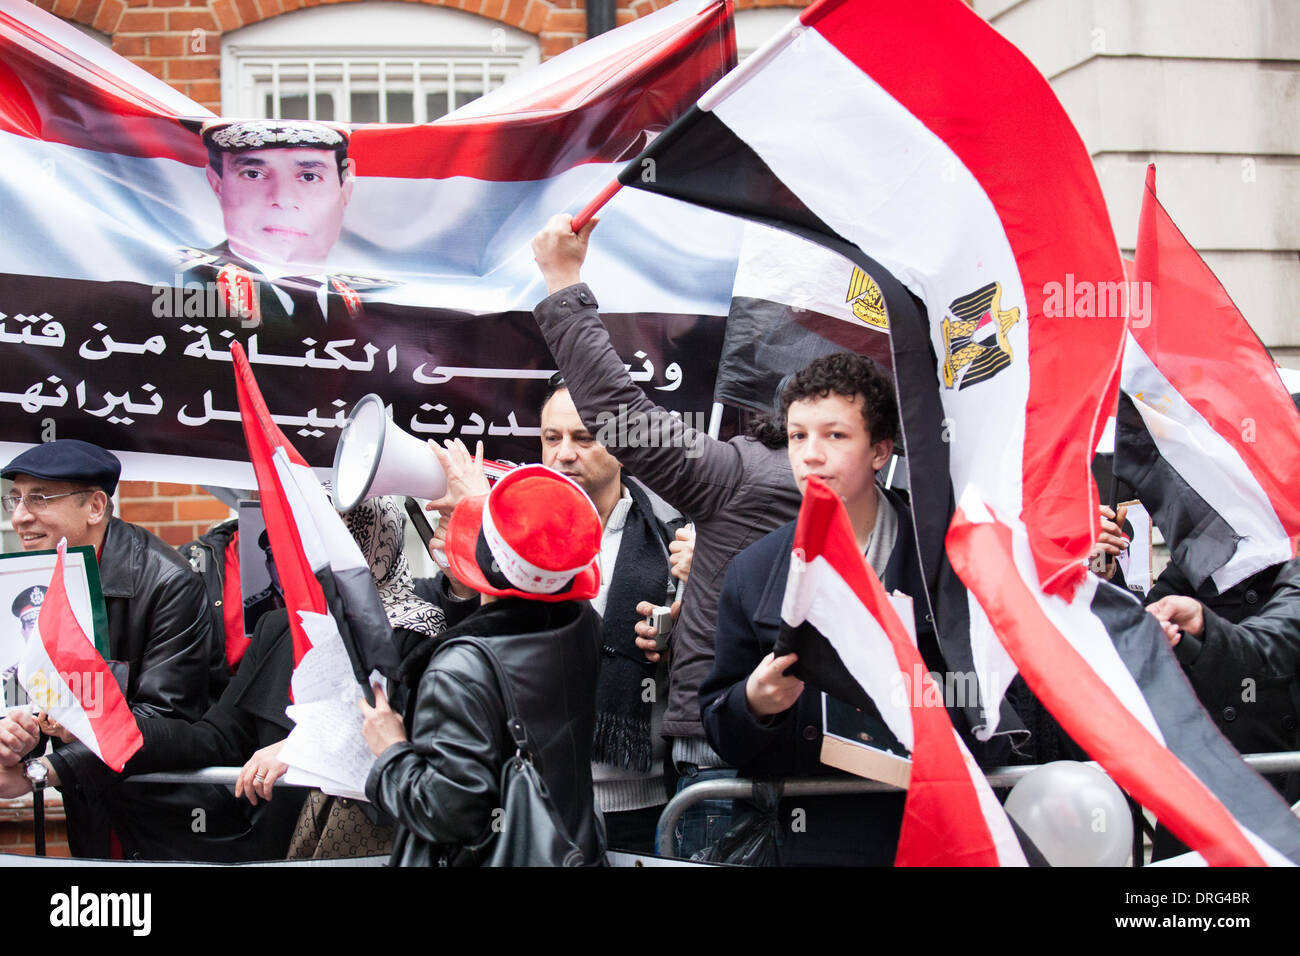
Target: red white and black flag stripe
{"points": [[327, 583], [915, 139], [588, 106], [845, 628], [1206, 432], [67, 678], [1101, 665], [924, 146]]}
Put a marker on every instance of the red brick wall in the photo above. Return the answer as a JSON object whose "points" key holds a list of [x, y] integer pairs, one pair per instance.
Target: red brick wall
{"points": [[18, 833], [176, 513]]}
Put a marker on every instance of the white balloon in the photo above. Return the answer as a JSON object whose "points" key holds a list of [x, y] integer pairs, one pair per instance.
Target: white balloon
{"points": [[1074, 813]]}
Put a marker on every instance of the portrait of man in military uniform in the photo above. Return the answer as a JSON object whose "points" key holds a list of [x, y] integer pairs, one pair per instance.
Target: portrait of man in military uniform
{"points": [[26, 608], [283, 186]]}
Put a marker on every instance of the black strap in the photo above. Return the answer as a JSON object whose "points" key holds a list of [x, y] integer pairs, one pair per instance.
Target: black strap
{"points": [[514, 721], [38, 820]]}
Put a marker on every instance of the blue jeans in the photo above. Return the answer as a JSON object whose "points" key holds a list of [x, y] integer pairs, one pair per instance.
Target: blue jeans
{"points": [[705, 822]]}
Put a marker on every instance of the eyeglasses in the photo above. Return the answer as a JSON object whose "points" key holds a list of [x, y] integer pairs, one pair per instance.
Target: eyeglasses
{"points": [[35, 503], [555, 381]]}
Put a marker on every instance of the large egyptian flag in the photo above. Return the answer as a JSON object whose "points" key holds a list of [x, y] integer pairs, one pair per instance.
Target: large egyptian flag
{"points": [[67, 678], [793, 301], [327, 583], [918, 141], [1207, 432], [836, 610], [115, 266]]}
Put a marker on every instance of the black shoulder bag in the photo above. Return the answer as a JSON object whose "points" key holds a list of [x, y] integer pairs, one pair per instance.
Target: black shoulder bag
{"points": [[531, 832]]}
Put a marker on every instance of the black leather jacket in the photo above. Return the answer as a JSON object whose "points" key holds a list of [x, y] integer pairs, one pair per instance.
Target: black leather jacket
{"points": [[1245, 665], [443, 784], [207, 556], [159, 628]]}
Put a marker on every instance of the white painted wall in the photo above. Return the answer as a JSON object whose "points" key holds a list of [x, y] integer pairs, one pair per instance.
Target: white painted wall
{"points": [[1209, 90]]}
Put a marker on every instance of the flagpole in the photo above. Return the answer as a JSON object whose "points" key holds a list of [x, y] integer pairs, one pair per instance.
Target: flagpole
{"points": [[593, 207]]}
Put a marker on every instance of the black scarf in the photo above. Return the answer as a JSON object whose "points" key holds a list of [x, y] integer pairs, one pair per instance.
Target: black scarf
{"points": [[622, 707]]}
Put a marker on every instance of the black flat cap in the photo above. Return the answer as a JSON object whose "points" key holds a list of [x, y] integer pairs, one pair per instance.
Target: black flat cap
{"points": [[68, 460]]}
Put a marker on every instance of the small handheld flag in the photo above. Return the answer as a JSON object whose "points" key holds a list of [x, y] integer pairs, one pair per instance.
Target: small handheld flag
{"points": [[67, 679]]}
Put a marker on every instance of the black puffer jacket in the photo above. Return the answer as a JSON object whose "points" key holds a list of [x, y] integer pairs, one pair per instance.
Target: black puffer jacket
{"points": [[443, 784]]}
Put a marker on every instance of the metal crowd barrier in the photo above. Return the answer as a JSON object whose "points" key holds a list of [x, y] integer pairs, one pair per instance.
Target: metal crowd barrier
{"points": [[738, 788]]}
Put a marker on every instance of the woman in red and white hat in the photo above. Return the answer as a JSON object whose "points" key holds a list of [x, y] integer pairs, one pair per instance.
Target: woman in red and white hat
{"points": [[531, 548]]}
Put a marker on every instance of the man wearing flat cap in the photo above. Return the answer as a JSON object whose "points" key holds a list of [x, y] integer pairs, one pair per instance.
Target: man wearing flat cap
{"points": [[283, 186], [159, 631]]}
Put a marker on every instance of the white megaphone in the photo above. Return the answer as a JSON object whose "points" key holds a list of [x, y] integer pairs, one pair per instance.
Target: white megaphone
{"points": [[375, 457]]}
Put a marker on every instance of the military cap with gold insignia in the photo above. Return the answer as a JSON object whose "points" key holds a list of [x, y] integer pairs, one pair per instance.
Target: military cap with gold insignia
{"points": [[28, 602]]}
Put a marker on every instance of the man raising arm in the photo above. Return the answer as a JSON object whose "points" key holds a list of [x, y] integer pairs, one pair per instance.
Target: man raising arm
{"points": [[735, 491]]}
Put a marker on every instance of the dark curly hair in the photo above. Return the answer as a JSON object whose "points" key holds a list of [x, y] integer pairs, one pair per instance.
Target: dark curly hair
{"points": [[848, 374], [765, 427]]}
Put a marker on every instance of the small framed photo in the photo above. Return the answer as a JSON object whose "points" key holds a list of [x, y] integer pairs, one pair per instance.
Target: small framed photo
{"points": [[24, 581]]}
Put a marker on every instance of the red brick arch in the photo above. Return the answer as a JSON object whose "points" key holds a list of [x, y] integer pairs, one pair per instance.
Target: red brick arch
{"points": [[157, 16]]}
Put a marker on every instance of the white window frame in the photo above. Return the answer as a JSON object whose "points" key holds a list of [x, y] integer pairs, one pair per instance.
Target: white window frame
{"points": [[347, 49], [419, 74]]}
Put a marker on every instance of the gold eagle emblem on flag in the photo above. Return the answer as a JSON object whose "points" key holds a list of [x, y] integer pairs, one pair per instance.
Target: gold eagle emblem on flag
{"points": [[975, 337], [41, 691], [868, 302]]}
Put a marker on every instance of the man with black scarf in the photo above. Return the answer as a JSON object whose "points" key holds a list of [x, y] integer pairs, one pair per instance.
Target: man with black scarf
{"points": [[629, 747]]}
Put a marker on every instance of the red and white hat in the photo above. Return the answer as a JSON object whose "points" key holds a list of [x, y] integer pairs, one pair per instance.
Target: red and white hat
{"points": [[536, 535]]}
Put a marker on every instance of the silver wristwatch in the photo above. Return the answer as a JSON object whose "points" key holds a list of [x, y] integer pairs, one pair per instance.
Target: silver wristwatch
{"points": [[36, 773]]}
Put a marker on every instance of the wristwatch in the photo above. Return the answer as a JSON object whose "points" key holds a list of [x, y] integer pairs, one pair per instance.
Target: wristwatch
{"points": [[36, 773]]}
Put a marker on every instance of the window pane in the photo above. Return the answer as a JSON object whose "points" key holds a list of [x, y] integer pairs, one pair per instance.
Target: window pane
{"points": [[467, 92], [401, 107], [435, 105], [293, 107], [365, 108]]}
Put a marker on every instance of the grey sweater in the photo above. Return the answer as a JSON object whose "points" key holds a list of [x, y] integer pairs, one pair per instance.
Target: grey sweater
{"points": [[735, 491]]}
